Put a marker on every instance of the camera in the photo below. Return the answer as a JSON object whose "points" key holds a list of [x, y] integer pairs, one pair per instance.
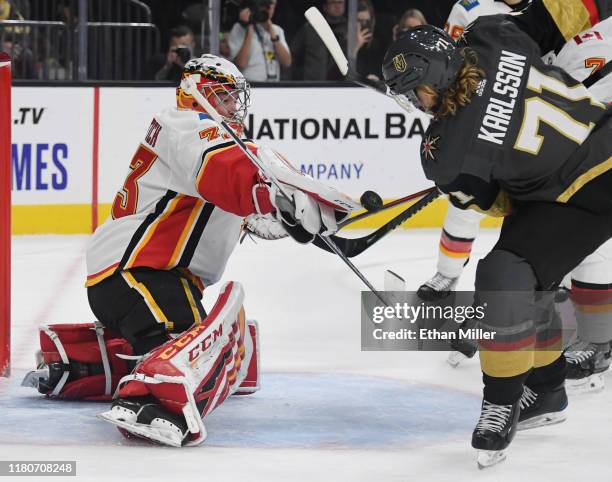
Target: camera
{"points": [[183, 52], [259, 10], [232, 8]]}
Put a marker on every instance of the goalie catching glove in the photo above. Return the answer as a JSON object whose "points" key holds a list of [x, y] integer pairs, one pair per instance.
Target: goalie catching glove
{"points": [[264, 226], [309, 207]]}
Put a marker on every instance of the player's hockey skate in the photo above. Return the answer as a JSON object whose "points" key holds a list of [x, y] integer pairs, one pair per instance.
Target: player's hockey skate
{"points": [[494, 432], [542, 408], [462, 349], [437, 288], [460, 355], [143, 418], [586, 363]]}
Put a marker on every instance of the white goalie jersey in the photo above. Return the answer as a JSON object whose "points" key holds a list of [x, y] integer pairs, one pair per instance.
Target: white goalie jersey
{"points": [[182, 204]]}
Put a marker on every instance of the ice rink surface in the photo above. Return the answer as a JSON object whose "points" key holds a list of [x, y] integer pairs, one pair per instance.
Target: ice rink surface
{"points": [[326, 410]]}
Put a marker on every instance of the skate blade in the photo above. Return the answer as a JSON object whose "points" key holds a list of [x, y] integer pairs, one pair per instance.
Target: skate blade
{"points": [[455, 358], [489, 458], [32, 379], [590, 384], [542, 420], [154, 434]]}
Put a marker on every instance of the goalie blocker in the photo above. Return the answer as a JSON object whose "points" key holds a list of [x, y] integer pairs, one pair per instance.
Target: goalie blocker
{"points": [[181, 381]]}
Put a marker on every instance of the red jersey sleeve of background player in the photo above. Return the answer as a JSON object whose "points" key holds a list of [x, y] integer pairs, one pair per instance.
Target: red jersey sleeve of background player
{"points": [[226, 179]]}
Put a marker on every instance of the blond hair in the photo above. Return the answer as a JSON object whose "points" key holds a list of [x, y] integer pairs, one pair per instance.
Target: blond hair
{"points": [[412, 13], [460, 92]]}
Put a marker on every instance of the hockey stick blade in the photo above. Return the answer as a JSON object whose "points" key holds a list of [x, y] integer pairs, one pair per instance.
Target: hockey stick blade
{"points": [[324, 31], [320, 25], [356, 246], [384, 207]]}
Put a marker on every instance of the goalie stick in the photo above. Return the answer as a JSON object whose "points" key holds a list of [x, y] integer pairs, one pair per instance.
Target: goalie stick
{"points": [[356, 246]]}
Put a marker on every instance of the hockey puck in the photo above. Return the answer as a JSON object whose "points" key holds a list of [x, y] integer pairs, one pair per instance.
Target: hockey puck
{"points": [[371, 201]]}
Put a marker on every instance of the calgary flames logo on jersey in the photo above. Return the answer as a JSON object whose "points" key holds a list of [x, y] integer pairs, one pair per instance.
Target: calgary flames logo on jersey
{"points": [[399, 62]]}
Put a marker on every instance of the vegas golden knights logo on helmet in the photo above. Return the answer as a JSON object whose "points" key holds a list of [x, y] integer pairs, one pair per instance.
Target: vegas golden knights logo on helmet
{"points": [[399, 63]]}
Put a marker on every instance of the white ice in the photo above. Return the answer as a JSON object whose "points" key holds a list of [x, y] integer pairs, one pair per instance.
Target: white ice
{"points": [[326, 410]]}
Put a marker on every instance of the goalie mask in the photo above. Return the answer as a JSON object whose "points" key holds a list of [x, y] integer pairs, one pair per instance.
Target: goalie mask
{"points": [[422, 55], [221, 83]]}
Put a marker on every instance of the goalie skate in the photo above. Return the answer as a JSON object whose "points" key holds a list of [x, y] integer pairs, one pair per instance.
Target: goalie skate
{"points": [[79, 361], [148, 421], [176, 385], [33, 378]]}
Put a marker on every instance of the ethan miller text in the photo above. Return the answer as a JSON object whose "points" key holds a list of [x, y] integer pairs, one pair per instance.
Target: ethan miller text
{"points": [[462, 334]]}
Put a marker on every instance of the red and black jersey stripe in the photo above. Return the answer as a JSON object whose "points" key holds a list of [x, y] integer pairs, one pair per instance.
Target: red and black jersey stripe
{"points": [[160, 207], [196, 235]]}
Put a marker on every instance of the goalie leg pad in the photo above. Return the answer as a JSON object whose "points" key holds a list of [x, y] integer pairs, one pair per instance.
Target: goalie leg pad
{"points": [[193, 374], [79, 362]]}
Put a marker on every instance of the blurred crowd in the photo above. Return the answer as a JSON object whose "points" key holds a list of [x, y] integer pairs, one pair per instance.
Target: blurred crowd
{"points": [[267, 51], [269, 40]]}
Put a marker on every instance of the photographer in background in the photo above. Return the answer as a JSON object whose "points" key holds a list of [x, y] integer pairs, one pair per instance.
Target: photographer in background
{"points": [[180, 50], [257, 45]]}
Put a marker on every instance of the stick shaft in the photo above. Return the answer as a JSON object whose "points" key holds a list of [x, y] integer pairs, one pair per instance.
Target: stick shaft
{"points": [[332, 246]]}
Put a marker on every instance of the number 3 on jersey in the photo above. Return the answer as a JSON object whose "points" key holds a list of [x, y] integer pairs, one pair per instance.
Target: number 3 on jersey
{"points": [[126, 199]]}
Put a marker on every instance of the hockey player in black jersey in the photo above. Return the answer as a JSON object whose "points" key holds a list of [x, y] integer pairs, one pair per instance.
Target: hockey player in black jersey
{"points": [[514, 137]]}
